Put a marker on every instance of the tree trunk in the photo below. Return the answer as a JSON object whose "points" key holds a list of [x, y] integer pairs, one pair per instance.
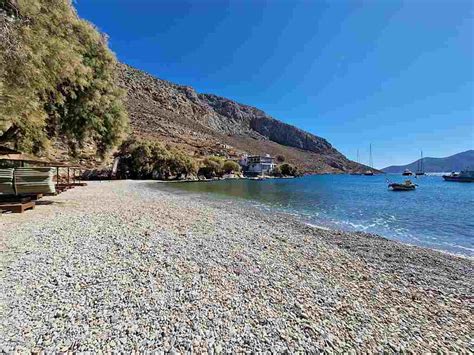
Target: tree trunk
{"points": [[9, 134]]}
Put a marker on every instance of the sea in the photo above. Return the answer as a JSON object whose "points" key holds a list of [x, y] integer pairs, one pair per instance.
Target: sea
{"points": [[437, 215]]}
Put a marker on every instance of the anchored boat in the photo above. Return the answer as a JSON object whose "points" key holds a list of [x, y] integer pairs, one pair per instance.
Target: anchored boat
{"points": [[356, 172], [370, 172], [463, 176], [420, 170], [406, 186], [407, 172]]}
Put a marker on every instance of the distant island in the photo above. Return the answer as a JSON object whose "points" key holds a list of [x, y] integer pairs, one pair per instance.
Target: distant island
{"points": [[454, 162]]}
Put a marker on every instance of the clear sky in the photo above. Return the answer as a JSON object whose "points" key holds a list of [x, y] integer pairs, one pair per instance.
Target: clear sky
{"points": [[397, 74]]}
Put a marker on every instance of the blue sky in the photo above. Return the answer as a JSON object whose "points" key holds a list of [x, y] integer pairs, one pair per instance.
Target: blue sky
{"points": [[397, 74]]}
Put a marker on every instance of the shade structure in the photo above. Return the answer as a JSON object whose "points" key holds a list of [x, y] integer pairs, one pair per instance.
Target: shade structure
{"points": [[23, 158], [6, 182], [14, 155], [34, 180]]}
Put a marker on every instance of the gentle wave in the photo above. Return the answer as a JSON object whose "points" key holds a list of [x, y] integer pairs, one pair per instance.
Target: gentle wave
{"points": [[437, 215]]}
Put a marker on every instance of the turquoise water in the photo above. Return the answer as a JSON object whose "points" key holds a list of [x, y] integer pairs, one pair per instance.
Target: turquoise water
{"points": [[438, 215]]}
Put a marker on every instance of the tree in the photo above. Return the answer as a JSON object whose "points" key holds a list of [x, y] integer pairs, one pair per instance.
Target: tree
{"points": [[276, 171], [230, 167], [211, 167], [288, 169], [57, 79], [145, 160]]}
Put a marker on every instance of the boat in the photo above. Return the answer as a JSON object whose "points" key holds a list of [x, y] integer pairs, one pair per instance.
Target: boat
{"points": [[357, 172], [370, 172], [463, 176], [407, 172], [406, 186], [420, 170]]}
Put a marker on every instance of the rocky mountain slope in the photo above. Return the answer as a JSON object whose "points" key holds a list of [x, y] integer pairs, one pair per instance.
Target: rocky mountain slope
{"points": [[205, 124], [454, 162]]}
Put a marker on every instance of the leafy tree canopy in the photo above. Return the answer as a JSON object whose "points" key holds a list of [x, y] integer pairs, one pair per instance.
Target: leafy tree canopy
{"points": [[288, 169], [231, 166], [57, 78], [211, 167], [145, 159]]}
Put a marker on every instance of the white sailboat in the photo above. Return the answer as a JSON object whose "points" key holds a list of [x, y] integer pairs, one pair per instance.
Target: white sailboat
{"points": [[420, 170], [370, 172], [357, 173]]}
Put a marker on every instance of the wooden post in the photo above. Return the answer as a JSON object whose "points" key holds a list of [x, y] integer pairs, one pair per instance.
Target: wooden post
{"points": [[68, 176]]}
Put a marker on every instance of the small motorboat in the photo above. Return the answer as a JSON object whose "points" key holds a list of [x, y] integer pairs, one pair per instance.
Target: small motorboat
{"points": [[369, 173], [406, 186], [463, 176], [407, 172]]}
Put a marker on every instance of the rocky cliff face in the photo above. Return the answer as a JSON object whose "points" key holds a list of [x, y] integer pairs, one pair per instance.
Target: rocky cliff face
{"points": [[208, 124], [242, 119]]}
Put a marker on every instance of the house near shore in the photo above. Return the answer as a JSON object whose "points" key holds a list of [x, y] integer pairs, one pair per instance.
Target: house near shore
{"points": [[257, 164]]}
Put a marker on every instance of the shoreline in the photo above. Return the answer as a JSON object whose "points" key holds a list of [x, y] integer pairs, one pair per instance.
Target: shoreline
{"points": [[122, 266], [264, 206]]}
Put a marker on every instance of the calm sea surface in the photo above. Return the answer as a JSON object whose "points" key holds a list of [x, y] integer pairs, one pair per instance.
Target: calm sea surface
{"points": [[438, 215]]}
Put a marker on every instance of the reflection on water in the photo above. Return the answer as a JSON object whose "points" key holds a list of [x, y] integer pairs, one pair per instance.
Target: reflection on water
{"points": [[438, 214]]}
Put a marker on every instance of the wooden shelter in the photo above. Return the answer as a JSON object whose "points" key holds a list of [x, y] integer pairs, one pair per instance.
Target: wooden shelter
{"points": [[13, 155], [70, 168], [19, 203]]}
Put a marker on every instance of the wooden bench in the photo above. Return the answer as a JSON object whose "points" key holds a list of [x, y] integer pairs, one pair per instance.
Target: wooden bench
{"points": [[18, 207]]}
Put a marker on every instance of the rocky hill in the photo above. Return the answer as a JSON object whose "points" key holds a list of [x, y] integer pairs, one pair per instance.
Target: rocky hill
{"points": [[205, 124], [454, 162]]}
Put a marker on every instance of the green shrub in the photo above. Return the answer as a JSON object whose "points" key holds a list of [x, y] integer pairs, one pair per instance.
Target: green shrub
{"points": [[288, 170], [230, 167], [216, 167], [276, 171], [145, 160], [212, 167], [218, 160]]}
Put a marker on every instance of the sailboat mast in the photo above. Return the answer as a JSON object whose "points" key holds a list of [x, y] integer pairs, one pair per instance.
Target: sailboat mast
{"points": [[370, 156], [357, 156], [421, 162]]}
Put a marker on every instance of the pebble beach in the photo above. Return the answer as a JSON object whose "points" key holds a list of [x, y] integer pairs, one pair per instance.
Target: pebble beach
{"points": [[126, 266]]}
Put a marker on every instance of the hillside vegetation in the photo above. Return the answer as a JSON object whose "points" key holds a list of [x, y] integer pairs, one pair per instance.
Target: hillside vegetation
{"points": [[57, 79]]}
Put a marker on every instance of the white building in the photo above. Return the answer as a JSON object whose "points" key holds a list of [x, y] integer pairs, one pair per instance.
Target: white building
{"points": [[257, 165]]}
